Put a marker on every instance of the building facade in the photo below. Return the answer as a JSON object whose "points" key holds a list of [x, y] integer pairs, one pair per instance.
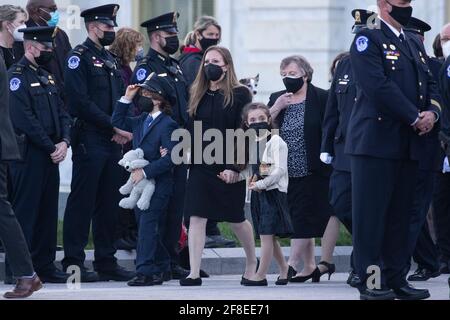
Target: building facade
{"points": [[259, 33]]}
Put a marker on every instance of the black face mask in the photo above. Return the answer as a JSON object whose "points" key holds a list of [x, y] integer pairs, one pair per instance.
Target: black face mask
{"points": [[213, 72], [260, 126], [293, 85], [44, 58], [108, 38], [172, 44], [145, 104], [400, 14], [206, 43]]}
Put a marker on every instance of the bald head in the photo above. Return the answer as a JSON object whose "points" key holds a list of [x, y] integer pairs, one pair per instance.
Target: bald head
{"points": [[39, 10], [445, 40], [445, 32]]}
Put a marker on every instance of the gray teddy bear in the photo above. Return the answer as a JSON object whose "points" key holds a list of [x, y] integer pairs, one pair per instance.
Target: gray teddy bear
{"points": [[141, 193]]}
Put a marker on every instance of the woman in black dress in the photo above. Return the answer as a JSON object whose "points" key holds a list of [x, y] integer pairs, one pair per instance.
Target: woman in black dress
{"points": [[213, 191]]}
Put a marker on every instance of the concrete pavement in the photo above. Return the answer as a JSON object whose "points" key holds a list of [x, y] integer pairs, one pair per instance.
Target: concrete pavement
{"points": [[222, 288]]}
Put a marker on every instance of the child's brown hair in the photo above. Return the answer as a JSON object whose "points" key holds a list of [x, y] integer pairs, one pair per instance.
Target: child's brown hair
{"points": [[255, 106]]}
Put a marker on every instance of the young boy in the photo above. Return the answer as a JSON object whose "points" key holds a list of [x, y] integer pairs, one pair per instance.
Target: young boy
{"points": [[151, 132]]}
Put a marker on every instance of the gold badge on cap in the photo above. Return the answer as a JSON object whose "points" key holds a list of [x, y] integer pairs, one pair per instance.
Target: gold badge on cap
{"points": [[358, 17], [116, 8]]}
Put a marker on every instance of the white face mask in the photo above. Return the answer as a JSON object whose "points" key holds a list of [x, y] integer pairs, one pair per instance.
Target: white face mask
{"points": [[446, 49], [18, 36]]}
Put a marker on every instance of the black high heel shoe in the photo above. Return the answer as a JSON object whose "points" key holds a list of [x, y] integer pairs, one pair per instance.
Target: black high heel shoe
{"points": [[291, 273], [315, 276], [244, 280], [331, 268]]}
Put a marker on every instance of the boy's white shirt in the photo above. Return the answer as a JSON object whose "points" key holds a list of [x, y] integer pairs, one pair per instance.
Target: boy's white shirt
{"points": [[275, 154]]}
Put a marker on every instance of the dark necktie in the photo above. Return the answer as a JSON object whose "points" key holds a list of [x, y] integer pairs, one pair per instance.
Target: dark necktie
{"points": [[401, 37], [147, 124]]}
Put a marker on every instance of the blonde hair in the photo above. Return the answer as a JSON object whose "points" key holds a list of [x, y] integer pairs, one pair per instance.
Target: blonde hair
{"points": [[201, 25], [124, 46], [9, 12], [201, 84]]}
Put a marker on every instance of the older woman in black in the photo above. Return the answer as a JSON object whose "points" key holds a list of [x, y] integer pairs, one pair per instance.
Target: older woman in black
{"points": [[213, 191], [299, 112]]}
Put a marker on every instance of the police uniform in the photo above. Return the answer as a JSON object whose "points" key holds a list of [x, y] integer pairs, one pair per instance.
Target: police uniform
{"points": [[341, 99], [168, 66], [93, 85], [39, 119], [420, 245], [394, 84]]}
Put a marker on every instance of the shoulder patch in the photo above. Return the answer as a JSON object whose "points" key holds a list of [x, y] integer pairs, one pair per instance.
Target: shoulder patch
{"points": [[362, 43], [141, 74], [73, 62], [448, 71], [14, 84]]}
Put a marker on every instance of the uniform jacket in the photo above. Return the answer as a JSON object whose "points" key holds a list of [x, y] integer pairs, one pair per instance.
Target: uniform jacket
{"points": [[155, 62], [341, 100], [37, 110], [158, 135], [394, 84]]}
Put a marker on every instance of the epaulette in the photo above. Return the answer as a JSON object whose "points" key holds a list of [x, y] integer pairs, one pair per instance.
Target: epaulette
{"points": [[80, 49], [142, 62], [18, 69]]}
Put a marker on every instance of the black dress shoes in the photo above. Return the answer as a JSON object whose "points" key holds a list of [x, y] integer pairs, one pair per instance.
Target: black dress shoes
{"points": [[179, 273], [116, 274], [88, 276], [189, 282], [410, 293], [423, 275], [281, 282], [353, 279], [251, 283], [141, 281], [376, 295], [55, 276], [158, 279]]}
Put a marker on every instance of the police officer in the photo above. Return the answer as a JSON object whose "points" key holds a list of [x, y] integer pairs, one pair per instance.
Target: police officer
{"points": [[39, 119], [397, 104], [340, 104], [163, 34], [420, 244], [93, 85]]}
